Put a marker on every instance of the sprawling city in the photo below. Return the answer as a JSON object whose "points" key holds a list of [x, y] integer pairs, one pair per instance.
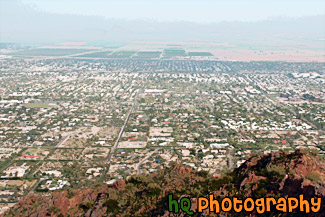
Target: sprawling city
{"points": [[168, 108], [67, 122]]}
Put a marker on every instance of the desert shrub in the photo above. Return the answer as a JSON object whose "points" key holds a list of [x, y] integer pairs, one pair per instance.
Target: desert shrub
{"points": [[277, 169], [314, 177], [111, 205], [154, 188]]}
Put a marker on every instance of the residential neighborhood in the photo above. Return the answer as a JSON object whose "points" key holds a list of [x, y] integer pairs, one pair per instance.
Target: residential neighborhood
{"points": [[65, 123]]}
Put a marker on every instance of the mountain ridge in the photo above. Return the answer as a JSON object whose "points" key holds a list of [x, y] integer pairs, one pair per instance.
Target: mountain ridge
{"points": [[274, 175], [24, 23]]}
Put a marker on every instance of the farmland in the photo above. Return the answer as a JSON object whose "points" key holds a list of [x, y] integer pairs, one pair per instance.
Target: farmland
{"points": [[147, 55]]}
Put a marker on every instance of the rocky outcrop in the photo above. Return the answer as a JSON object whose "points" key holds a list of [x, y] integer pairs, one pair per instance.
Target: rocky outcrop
{"points": [[276, 174]]}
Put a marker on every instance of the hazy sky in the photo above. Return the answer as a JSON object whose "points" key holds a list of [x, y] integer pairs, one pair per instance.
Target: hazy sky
{"points": [[59, 20], [184, 10]]}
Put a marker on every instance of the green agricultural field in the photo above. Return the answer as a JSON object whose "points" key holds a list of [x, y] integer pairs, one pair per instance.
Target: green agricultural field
{"points": [[169, 53], [49, 52], [199, 54], [102, 54], [147, 55]]}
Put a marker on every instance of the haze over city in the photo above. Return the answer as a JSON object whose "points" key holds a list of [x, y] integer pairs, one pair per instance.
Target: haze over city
{"points": [[49, 21]]}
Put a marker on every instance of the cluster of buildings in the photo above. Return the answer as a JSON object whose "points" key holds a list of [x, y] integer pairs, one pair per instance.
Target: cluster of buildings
{"points": [[69, 122]]}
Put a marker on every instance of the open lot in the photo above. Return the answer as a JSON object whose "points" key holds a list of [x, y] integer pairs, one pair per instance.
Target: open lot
{"points": [[75, 142], [95, 153], [160, 131], [66, 154], [38, 105]]}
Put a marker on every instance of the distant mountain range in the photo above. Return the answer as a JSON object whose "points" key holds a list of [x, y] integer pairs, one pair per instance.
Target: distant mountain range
{"points": [[23, 23]]}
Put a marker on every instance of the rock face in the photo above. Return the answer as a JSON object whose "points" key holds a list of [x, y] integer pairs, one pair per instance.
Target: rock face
{"points": [[273, 175]]}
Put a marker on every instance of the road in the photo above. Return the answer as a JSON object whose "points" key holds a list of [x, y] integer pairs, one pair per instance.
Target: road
{"points": [[283, 105], [64, 140], [123, 128], [144, 159], [34, 187]]}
